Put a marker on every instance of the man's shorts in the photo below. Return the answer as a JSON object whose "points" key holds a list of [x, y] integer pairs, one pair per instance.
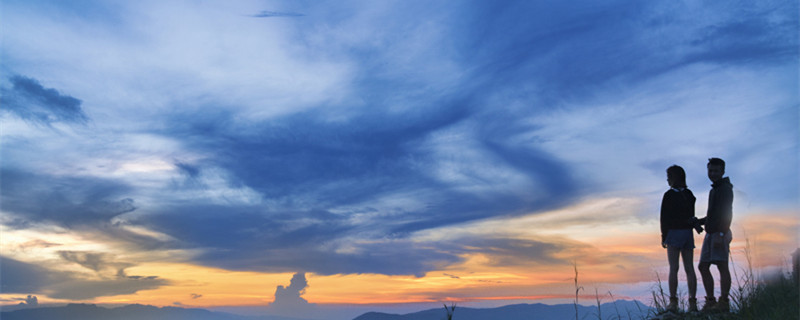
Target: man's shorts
{"points": [[716, 247]]}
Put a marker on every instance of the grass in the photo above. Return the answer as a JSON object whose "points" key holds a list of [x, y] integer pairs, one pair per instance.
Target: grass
{"points": [[577, 289], [778, 298], [450, 311], [751, 299], [775, 298]]}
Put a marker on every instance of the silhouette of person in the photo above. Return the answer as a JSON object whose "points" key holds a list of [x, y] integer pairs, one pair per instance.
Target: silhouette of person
{"points": [[716, 244], [677, 212]]}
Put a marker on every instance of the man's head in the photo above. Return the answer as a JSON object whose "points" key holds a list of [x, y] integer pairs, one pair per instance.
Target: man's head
{"points": [[716, 169]]}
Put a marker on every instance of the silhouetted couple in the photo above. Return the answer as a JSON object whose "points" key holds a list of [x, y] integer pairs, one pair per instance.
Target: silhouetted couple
{"points": [[677, 222]]}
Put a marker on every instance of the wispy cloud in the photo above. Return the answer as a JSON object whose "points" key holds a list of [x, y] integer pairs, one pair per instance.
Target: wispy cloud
{"points": [[67, 201], [29, 100], [23, 277], [271, 14]]}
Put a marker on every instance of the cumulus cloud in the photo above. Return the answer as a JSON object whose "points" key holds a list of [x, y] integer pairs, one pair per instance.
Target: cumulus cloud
{"points": [[31, 101], [31, 301], [289, 297]]}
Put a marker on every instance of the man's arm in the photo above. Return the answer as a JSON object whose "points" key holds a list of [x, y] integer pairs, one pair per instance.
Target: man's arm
{"points": [[725, 208]]}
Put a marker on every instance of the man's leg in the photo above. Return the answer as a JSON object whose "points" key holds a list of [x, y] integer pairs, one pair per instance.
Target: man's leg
{"points": [[725, 286], [708, 280], [724, 279], [705, 273]]}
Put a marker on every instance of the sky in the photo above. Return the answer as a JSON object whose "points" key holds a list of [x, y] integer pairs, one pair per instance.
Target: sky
{"points": [[314, 158]]}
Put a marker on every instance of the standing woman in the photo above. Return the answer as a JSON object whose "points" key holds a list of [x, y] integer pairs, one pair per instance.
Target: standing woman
{"points": [[677, 211]]}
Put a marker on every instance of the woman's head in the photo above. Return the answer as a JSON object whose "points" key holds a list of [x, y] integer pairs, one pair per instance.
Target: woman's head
{"points": [[676, 177]]}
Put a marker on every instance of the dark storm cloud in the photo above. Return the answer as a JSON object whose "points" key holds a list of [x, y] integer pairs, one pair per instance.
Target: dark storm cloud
{"points": [[31, 101], [66, 201]]}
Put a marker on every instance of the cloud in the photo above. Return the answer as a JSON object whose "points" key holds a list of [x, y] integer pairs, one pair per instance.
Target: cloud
{"points": [[366, 127], [97, 262], [289, 298], [248, 238], [187, 169], [79, 289], [32, 244], [517, 252], [196, 296], [64, 200], [31, 101], [31, 301], [23, 277], [332, 183], [270, 14]]}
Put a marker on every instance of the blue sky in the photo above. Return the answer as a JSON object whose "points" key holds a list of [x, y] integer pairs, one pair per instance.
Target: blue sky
{"points": [[327, 137]]}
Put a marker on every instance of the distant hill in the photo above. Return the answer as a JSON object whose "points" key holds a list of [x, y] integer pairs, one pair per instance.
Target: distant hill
{"points": [[621, 308], [129, 312]]}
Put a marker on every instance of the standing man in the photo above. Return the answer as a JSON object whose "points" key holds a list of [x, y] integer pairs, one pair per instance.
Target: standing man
{"points": [[716, 244]]}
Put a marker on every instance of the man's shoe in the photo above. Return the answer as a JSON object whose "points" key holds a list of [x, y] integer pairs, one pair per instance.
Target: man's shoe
{"points": [[710, 305], [673, 304], [692, 305], [723, 305]]}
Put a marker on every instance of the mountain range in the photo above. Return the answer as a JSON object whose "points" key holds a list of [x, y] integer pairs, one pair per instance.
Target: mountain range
{"points": [[620, 309], [75, 311]]}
